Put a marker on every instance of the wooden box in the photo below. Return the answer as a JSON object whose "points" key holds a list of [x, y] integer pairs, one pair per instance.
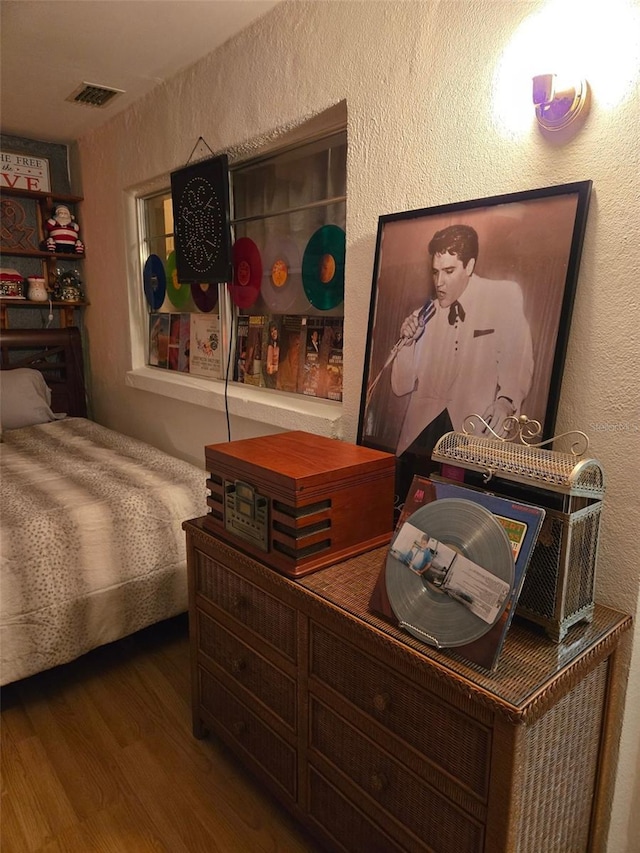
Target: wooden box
{"points": [[299, 502]]}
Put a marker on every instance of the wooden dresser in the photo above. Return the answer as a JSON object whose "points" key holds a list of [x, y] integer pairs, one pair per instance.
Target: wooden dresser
{"points": [[378, 743]]}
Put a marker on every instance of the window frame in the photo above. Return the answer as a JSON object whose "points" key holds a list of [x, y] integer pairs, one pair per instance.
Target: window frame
{"points": [[277, 408]]}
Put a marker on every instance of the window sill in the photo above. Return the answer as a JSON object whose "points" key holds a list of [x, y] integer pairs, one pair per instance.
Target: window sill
{"points": [[276, 408]]}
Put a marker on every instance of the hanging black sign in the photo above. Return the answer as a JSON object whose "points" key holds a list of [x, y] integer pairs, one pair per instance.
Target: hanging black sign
{"points": [[200, 197]]}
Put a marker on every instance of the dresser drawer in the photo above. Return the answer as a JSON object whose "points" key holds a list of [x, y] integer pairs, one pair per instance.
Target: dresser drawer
{"points": [[454, 743], [247, 668], [343, 821], [250, 735], [258, 611], [391, 787]]}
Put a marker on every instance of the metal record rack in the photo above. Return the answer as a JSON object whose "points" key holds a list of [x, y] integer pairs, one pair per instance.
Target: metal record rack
{"points": [[558, 591]]}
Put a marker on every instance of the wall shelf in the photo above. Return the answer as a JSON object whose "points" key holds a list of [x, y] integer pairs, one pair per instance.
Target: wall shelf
{"points": [[42, 206], [66, 309]]}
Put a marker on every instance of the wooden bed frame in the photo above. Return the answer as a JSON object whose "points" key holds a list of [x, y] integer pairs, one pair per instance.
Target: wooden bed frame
{"points": [[57, 354]]}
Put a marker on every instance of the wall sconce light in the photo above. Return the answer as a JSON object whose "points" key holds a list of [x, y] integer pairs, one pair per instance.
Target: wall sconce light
{"points": [[558, 105]]}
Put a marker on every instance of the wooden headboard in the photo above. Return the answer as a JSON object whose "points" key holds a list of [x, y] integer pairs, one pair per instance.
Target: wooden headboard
{"points": [[57, 354]]}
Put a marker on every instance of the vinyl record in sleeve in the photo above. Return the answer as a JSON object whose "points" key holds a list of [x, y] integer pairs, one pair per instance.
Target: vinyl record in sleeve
{"points": [[178, 293], [425, 611], [323, 267], [247, 272], [155, 282], [205, 296], [281, 274]]}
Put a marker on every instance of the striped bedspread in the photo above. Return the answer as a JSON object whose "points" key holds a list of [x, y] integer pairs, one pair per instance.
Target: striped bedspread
{"points": [[91, 543]]}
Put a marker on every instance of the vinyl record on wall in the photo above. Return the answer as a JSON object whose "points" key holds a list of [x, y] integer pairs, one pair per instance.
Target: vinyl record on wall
{"points": [[205, 296], [154, 282], [281, 274], [247, 273], [323, 267], [178, 293]]}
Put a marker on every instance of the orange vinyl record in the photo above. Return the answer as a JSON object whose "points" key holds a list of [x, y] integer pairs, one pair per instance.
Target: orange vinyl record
{"points": [[247, 272], [282, 274]]}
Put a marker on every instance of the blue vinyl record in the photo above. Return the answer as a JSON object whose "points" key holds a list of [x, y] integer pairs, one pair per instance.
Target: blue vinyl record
{"points": [[155, 282]]}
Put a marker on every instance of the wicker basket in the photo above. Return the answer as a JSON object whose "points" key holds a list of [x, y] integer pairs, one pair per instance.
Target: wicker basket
{"points": [[559, 587]]}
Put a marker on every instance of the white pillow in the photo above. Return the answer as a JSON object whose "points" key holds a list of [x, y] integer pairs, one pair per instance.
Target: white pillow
{"points": [[25, 398]]}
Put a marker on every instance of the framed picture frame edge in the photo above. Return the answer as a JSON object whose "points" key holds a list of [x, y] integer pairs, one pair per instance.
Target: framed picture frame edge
{"points": [[574, 222]]}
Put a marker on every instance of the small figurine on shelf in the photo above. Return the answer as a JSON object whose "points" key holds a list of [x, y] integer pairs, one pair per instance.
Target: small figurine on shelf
{"points": [[63, 232], [38, 291], [67, 286]]}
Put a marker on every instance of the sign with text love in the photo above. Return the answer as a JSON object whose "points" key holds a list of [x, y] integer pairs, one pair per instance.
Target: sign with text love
{"points": [[24, 172]]}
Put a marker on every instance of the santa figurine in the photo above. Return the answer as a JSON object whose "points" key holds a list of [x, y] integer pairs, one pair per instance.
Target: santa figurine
{"points": [[63, 232]]}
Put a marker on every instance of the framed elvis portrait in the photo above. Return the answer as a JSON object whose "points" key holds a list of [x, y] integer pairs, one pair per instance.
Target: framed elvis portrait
{"points": [[470, 312]]}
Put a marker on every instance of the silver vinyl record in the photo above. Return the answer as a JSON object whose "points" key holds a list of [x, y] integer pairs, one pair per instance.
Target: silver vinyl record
{"points": [[425, 611]]}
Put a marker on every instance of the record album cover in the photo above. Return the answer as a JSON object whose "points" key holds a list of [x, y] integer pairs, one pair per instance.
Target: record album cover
{"points": [[521, 522], [159, 339], [241, 337], [292, 334], [254, 352], [323, 358], [204, 348], [334, 330], [179, 342], [311, 370], [271, 349]]}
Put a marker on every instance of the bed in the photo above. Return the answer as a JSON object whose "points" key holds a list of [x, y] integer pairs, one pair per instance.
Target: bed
{"points": [[91, 543]]}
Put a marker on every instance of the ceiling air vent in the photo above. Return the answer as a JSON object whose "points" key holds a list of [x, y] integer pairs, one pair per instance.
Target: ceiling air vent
{"points": [[92, 95]]}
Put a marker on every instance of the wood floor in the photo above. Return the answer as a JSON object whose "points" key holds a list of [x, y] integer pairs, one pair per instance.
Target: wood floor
{"points": [[98, 755]]}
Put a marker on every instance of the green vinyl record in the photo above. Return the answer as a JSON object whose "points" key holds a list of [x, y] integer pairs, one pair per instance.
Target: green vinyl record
{"points": [[178, 293], [323, 267]]}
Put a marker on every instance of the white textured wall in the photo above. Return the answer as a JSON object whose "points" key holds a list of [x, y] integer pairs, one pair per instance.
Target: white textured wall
{"points": [[417, 79]]}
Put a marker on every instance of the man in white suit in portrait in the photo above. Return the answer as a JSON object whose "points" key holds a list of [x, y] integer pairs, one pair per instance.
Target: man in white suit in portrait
{"points": [[468, 351]]}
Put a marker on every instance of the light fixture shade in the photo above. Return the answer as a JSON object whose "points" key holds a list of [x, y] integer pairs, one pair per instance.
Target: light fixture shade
{"points": [[558, 105]]}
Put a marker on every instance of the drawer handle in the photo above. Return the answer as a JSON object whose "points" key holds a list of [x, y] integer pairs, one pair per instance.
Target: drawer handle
{"points": [[237, 603], [239, 728], [238, 665], [379, 782], [382, 702]]}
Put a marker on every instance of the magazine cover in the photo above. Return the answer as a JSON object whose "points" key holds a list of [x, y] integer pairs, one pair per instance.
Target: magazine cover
{"points": [[179, 342], [159, 339], [522, 523], [254, 353], [204, 347]]}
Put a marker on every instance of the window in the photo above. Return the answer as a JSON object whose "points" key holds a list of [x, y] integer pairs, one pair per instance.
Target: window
{"points": [[284, 323]]}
